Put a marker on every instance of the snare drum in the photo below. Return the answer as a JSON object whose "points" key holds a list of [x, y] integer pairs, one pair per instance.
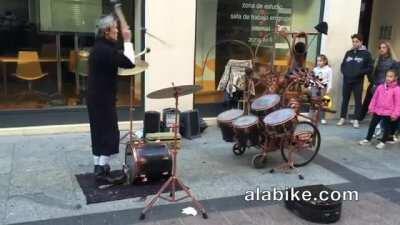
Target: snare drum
{"points": [[265, 104], [225, 120], [281, 121], [247, 130]]}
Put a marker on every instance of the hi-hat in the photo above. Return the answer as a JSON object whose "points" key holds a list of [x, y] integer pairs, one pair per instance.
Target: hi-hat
{"points": [[140, 66], [172, 92]]}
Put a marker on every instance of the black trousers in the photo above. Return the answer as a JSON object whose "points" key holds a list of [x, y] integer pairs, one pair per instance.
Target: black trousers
{"points": [[367, 101], [103, 126], [387, 127], [356, 88]]}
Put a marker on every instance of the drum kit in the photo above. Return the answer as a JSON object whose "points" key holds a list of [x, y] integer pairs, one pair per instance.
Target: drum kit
{"points": [[271, 125], [149, 162], [144, 162]]}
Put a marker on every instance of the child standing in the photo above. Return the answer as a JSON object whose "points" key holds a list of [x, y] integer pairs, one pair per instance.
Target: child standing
{"points": [[385, 107], [324, 72]]}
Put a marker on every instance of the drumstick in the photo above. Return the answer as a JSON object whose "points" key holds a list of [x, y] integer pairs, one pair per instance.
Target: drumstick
{"points": [[121, 17]]}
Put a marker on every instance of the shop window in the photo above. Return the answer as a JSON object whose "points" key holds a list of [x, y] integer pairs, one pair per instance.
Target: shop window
{"points": [[38, 31], [243, 30]]}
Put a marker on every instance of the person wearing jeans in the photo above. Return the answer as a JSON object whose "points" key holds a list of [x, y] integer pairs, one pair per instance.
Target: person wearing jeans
{"points": [[357, 63]]}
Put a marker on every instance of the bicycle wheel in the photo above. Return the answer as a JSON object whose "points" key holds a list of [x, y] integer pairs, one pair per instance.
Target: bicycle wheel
{"points": [[306, 141]]}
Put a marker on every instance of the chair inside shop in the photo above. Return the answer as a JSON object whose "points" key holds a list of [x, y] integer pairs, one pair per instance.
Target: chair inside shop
{"points": [[29, 69]]}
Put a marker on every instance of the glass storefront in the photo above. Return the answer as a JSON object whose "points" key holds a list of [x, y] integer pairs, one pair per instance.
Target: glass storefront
{"points": [[241, 30], [44, 47]]}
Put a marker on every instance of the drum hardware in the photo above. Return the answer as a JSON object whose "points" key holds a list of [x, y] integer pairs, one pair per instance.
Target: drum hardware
{"points": [[140, 66], [247, 133], [174, 181], [225, 120], [284, 132]]}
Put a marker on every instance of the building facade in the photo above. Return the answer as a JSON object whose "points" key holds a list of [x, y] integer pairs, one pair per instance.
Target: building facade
{"points": [[188, 41]]}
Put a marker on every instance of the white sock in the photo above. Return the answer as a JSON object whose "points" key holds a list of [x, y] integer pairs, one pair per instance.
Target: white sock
{"points": [[104, 160], [96, 160]]}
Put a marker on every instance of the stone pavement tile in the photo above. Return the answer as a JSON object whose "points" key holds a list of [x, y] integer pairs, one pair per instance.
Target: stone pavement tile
{"points": [[38, 207], [260, 216], [279, 214], [6, 149], [6, 158], [3, 210], [367, 211], [4, 186], [53, 182], [365, 160], [214, 219], [38, 160], [224, 186], [170, 222], [237, 217], [5, 164], [387, 210]]}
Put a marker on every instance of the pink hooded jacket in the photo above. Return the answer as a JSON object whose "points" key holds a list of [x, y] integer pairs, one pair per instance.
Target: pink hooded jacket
{"points": [[386, 100]]}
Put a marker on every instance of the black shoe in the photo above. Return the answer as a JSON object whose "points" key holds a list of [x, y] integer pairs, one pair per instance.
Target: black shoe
{"points": [[107, 169], [102, 169], [98, 170]]}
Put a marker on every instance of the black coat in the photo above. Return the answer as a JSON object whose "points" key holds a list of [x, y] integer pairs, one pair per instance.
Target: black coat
{"points": [[104, 61], [356, 64]]}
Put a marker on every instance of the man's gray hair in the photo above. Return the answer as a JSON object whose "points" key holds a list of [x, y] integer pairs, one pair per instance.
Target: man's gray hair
{"points": [[103, 23]]}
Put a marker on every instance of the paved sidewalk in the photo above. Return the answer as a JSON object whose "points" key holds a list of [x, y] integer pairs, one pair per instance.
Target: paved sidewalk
{"points": [[37, 183]]}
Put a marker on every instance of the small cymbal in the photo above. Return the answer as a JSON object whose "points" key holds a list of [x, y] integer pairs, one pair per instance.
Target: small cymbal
{"points": [[172, 91], [140, 66]]}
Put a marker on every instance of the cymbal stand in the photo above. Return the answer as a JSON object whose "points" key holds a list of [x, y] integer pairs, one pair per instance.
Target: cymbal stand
{"points": [[131, 109], [174, 181]]}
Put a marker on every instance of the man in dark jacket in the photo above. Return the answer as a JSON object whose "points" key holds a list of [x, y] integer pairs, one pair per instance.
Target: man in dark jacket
{"points": [[357, 63], [104, 61]]}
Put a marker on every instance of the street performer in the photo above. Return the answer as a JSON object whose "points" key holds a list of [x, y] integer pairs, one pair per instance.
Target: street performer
{"points": [[104, 61]]}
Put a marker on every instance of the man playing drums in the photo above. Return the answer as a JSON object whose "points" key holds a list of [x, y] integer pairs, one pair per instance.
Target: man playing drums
{"points": [[104, 61]]}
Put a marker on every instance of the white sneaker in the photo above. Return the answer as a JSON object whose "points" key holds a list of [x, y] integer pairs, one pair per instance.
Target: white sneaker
{"points": [[323, 121], [381, 145], [341, 122], [364, 142], [392, 140], [356, 124]]}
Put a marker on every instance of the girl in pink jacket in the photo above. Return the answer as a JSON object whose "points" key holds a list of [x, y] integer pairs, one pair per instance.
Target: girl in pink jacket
{"points": [[385, 107]]}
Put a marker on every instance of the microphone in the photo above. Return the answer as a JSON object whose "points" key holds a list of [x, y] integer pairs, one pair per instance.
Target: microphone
{"points": [[145, 51]]}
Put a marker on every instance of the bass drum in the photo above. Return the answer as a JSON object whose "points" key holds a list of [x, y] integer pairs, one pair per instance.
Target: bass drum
{"points": [[147, 162]]}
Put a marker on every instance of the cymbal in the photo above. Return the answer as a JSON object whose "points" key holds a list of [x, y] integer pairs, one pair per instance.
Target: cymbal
{"points": [[172, 91], [140, 66]]}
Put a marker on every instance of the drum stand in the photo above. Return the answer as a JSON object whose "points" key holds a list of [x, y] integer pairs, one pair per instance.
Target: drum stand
{"points": [[174, 181], [288, 167]]}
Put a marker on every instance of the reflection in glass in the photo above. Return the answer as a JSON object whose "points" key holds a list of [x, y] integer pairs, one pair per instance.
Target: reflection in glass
{"points": [[225, 28], [60, 33]]}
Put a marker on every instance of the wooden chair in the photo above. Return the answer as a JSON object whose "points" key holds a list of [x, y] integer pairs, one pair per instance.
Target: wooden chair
{"points": [[29, 69]]}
